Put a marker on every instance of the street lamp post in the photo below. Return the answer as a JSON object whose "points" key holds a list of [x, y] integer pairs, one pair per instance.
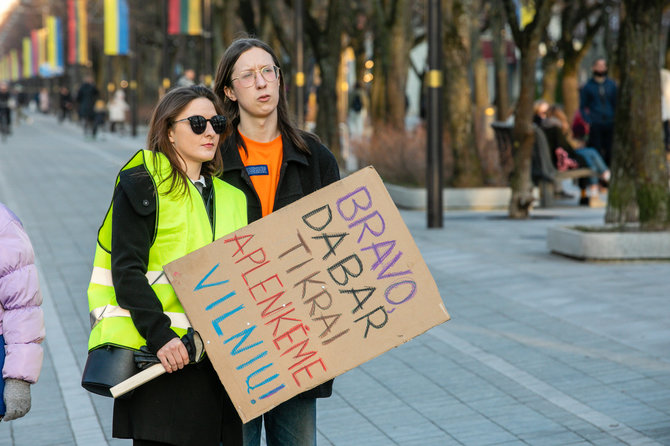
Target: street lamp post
{"points": [[207, 41], [133, 74], [299, 66], [434, 76], [166, 65]]}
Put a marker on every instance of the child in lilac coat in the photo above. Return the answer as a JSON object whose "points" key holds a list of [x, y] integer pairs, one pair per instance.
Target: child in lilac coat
{"points": [[21, 319]]}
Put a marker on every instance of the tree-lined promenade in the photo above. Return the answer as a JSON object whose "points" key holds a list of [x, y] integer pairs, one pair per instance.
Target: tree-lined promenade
{"points": [[540, 350], [498, 57]]}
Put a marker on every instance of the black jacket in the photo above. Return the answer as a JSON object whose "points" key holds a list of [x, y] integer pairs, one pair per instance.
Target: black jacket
{"points": [[186, 407], [300, 175]]}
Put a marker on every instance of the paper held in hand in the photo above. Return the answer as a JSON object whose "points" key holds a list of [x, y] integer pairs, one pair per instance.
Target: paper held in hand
{"points": [[307, 293]]}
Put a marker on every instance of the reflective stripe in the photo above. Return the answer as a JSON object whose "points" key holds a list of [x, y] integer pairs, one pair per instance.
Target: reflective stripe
{"points": [[103, 276], [177, 320]]}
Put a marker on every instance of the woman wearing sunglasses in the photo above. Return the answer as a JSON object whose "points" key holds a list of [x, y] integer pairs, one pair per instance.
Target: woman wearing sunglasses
{"points": [[167, 202], [274, 164]]}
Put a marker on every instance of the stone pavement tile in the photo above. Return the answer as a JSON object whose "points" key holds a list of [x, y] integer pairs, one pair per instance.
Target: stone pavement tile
{"points": [[551, 438], [658, 430], [441, 440], [47, 421], [348, 427], [477, 430], [320, 440]]}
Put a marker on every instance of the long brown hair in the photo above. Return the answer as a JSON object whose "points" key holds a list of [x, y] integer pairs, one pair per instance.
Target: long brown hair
{"points": [[231, 109], [163, 118]]}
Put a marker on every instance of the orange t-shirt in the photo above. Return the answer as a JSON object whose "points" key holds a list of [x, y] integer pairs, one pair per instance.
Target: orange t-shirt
{"points": [[263, 165]]}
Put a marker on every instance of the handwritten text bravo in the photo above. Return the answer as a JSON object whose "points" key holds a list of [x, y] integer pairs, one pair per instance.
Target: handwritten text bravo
{"points": [[291, 336]]}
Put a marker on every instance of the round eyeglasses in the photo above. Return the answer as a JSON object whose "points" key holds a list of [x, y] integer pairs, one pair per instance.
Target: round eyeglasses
{"points": [[248, 78], [199, 123]]}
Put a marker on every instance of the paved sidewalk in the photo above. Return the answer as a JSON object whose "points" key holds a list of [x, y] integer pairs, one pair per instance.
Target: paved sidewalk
{"points": [[541, 350]]}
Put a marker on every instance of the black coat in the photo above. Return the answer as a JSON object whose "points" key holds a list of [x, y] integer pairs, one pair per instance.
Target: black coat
{"points": [[186, 407], [300, 175], [86, 97]]}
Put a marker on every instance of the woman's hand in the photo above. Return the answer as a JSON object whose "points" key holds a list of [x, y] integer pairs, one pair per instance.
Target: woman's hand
{"points": [[173, 355]]}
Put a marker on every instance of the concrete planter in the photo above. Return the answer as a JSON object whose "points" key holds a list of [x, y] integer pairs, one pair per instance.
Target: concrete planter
{"points": [[589, 245], [476, 198]]}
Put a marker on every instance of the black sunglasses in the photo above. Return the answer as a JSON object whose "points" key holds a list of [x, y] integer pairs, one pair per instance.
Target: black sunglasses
{"points": [[199, 123]]}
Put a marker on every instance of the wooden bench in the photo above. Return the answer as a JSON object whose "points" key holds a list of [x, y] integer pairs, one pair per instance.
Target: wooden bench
{"points": [[543, 172]]}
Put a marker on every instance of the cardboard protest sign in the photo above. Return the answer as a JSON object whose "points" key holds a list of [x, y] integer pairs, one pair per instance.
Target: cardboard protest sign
{"points": [[307, 293]]}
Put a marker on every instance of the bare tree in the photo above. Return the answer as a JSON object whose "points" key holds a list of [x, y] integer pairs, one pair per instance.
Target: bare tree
{"points": [[588, 17], [499, 48], [457, 43], [392, 44], [323, 26], [527, 40], [639, 190]]}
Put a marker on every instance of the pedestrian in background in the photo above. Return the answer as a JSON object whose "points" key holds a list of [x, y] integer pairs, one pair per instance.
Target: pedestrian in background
{"points": [[99, 116], [597, 104], [86, 96], [187, 79], [43, 101], [275, 164], [665, 107], [66, 104], [167, 203], [22, 101], [117, 108], [5, 109], [21, 318]]}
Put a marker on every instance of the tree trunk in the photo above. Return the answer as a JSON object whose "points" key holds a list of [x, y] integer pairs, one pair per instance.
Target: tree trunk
{"points": [[327, 122], [499, 48], [549, 79], [392, 44], [524, 138], [527, 40], [458, 95], [639, 189], [570, 87], [326, 42]]}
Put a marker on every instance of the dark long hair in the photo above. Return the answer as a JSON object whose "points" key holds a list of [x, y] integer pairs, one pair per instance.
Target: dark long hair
{"points": [[163, 118], [231, 109]]}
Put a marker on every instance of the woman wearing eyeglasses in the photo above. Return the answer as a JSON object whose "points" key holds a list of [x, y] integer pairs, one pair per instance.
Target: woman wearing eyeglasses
{"points": [[167, 202], [274, 164]]}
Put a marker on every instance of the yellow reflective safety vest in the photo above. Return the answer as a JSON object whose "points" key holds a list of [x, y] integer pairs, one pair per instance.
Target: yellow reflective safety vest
{"points": [[182, 226]]}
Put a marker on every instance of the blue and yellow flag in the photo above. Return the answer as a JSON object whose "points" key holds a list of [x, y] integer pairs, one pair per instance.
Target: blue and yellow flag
{"points": [[55, 44], [116, 27]]}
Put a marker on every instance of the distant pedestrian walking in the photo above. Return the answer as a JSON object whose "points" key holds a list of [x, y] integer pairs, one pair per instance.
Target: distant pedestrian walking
{"points": [[117, 108], [187, 79], [86, 96], [43, 100], [99, 116], [5, 110], [665, 107], [597, 104], [21, 318], [66, 104]]}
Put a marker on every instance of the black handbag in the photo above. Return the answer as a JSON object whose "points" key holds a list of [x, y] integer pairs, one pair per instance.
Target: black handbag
{"points": [[106, 367]]}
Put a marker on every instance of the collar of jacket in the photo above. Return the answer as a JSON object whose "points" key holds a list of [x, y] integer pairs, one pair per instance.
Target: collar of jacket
{"points": [[233, 161]]}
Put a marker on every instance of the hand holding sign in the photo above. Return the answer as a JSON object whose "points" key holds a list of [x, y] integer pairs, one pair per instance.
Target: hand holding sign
{"points": [[196, 351]]}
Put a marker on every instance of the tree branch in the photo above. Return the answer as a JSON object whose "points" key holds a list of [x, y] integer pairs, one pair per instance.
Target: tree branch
{"points": [[513, 21]]}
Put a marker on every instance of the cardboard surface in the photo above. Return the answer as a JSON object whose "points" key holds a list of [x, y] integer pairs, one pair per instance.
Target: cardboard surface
{"points": [[307, 293]]}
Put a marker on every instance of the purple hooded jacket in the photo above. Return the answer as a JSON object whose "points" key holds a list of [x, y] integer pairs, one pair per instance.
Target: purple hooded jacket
{"points": [[21, 318]]}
